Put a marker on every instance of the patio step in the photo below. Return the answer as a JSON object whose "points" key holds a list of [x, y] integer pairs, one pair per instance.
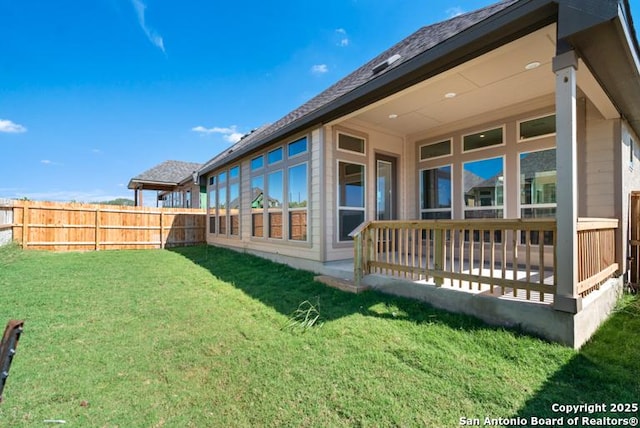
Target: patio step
{"points": [[341, 283]]}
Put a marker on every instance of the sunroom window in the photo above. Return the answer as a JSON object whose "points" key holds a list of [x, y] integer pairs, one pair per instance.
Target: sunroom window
{"points": [[298, 202], [275, 200]]}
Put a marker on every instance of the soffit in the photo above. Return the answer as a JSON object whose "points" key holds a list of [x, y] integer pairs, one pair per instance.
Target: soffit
{"points": [[490, 82]]}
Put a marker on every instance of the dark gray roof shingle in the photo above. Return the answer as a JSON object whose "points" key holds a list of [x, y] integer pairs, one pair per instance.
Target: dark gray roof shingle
{"points": [[419, 42]]}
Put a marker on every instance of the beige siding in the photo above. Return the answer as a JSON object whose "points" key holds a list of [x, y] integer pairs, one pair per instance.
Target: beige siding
{"points": [[596, 189], [630, 182]]}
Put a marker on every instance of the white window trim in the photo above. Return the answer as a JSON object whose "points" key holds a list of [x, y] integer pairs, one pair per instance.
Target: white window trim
{"points": [[504, 130], [537, 137]]}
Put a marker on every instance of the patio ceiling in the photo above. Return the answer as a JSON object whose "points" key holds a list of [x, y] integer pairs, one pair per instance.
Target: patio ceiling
{"points": [[494, 81]]}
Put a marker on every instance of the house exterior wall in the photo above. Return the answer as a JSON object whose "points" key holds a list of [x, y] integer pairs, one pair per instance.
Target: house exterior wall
{"points": [[377, 142], [311, 249], [596, 188], [629, 158]]}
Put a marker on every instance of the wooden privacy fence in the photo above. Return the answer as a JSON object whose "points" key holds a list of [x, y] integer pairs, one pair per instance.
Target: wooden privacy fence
{"points": [[514, 256], [81, 227]]}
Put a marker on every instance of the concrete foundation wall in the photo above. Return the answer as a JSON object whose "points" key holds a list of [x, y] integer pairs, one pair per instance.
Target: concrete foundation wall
{"points": [[540, 320]]}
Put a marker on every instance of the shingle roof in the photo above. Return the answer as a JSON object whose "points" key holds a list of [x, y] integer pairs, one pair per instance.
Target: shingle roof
{"points": [[419, 42], [168, 172]]}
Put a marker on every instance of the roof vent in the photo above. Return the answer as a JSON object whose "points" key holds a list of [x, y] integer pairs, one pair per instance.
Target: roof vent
{"points": [[386, 63]]}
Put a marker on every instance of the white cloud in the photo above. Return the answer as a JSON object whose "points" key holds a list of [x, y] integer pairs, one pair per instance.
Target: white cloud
{"points": [[10, 127], [152, 35], [46, 161], [319, 69], [343, 37], [452, 12], [230, 134]]}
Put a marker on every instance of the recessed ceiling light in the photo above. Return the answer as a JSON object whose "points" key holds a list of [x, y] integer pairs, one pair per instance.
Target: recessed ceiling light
{"points": [[393, 116], [450, 95], [532, 65]]}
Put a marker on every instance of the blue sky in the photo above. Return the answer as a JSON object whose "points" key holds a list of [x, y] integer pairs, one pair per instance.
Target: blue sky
{"points": [[94, 92]]}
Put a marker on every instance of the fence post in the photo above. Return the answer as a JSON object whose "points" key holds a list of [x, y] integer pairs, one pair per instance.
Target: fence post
{"points": [[97, 222], [438, 256], [161, 228], [25, 224], [358, 259]]}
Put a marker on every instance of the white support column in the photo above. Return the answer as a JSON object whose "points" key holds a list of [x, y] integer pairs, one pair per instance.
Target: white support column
{"points": [[566, 299]]}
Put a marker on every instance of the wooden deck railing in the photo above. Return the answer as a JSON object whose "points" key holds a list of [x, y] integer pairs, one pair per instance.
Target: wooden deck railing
{"points": [[596, 253], [508, 256]]}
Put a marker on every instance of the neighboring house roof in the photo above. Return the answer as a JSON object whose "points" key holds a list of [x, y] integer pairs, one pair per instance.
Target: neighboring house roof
{"points": [[165, 175], [419, 42], [536, 162]]}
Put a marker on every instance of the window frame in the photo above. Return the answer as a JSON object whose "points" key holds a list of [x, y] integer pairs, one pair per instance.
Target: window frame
{"points": [[503, 206], [432, 143], [522, 206], [519, 123], [283, 166], [503, 127], [420, 189], [353, 135], [347, 207]]}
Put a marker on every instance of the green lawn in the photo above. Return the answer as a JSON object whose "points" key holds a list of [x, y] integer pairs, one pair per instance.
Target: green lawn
{"points": [[204, 337]]}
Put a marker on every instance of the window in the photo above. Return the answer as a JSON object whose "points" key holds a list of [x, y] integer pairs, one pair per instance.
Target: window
{"points": [[351, 198], [538, 180], [257, 206], [222, 208], [298, 202], [213, 202], [538, 127], [350, 143], [480, 140], [279, 192], [435, 150], [435, 193], [483, 183], [275, 197], [234, 172], [274, 156], [297, 147], [234, 208], [257, 163]]}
